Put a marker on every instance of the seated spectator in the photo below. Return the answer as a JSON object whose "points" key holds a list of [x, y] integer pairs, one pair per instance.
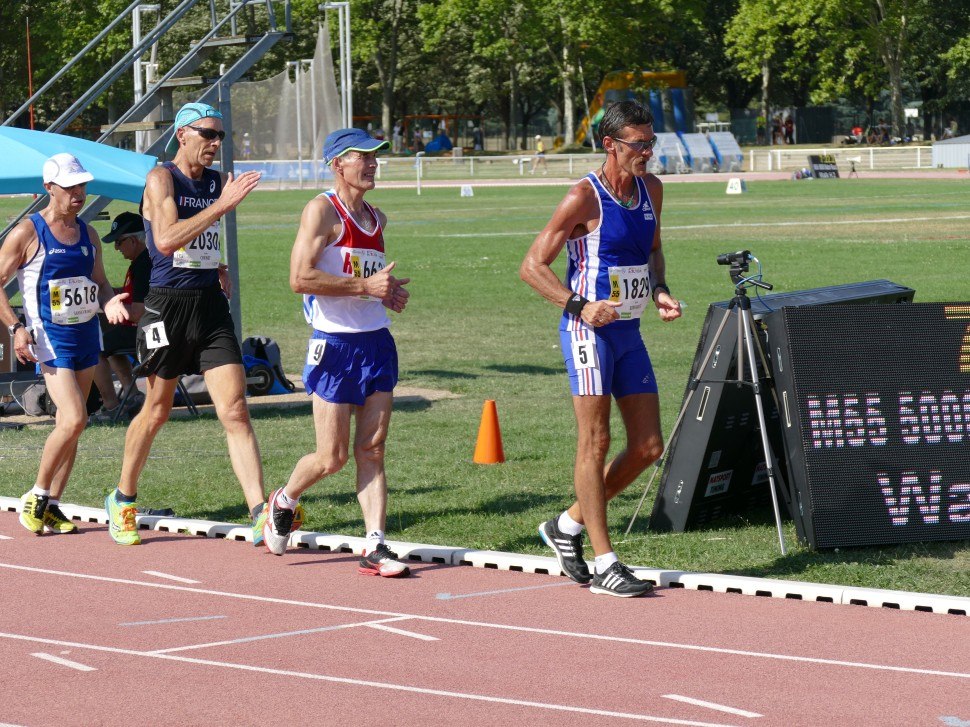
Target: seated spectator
{"points": [[128, 235], [857, 134]]}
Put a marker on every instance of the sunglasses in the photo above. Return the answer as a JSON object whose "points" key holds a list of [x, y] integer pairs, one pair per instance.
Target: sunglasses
{"points": [[639, 146], [208, 134]]}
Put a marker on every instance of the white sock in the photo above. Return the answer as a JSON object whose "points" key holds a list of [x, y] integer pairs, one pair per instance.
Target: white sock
{"points": [[287, 503], [569, 526], [52, 501], [36, 490], [374, 538], [605, 561]]}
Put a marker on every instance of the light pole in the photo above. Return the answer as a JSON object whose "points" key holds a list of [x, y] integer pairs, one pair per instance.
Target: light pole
{"points": [[138, 66], [297, 66], [346, 79]]}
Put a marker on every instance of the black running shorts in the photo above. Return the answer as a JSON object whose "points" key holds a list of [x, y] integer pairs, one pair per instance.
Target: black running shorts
{"points": [[186, 332]]}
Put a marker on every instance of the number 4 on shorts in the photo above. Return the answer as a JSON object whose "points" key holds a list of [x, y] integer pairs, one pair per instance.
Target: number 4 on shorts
{"points": [[155, 336]]}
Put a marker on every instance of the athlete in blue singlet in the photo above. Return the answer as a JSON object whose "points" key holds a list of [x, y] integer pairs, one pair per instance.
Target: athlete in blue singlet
{"points": [[57, 259], [186, 327], [609, 224]]}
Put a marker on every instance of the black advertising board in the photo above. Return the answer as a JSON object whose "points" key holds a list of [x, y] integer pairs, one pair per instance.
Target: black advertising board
{"points": [[875, 410], [714, 466], [823, 166]]}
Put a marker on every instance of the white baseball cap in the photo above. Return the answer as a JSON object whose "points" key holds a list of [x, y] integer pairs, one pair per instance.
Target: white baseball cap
{"points": [[65, 170]]}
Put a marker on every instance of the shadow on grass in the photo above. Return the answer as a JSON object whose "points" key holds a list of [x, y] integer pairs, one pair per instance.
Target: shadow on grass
{"points": [[883, 556], [440, 373], [526, 369]]}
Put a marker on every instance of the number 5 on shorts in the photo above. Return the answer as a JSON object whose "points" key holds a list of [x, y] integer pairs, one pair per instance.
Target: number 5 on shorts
{"points": [[584, 354]]}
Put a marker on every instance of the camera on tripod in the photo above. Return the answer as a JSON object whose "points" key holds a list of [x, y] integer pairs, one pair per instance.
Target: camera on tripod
{"points": [[739, 262], [739, 258]]}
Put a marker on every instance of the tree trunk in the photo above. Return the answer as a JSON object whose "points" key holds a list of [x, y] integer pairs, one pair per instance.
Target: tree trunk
{"points": [[765, 81], [513, 101], [568, 99]]}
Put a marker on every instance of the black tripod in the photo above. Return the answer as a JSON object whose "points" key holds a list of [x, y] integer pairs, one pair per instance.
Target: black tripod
{"points": [[747, 335]]}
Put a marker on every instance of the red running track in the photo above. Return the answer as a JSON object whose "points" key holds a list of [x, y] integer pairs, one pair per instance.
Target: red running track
{"points": [[92, 633]]}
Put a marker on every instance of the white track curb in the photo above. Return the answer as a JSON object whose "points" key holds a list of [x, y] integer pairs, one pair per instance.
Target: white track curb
{"points": [[720, 583]]}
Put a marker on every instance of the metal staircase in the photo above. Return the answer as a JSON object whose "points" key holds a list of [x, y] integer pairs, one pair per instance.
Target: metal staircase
{"points": [[157, 100]]}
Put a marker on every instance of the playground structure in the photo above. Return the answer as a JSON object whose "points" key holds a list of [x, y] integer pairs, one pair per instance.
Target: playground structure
{"points": [[665, 93], [249, 27]]}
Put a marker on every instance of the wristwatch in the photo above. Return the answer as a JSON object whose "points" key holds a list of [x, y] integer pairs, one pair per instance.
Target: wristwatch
{"points": [[12, 328]]}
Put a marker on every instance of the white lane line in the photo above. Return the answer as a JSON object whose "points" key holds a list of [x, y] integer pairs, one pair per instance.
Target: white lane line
{"points": [[713, 705], [453, 596], [401, 632], [499, 626], [64, 662], [279, 635], [470, 696], [171, 620], [725, 225], [5, 537], [168, 576]]}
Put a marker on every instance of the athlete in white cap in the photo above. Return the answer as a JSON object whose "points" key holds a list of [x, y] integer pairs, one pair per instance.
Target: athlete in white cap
{"points": [[57, 260]]}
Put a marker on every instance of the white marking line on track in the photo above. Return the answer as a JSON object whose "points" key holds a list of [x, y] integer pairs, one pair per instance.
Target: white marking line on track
{"points": [[171, 620], [64, 662], [168, 576], [5, 537], [502, 627], [365, 683], [401, 632], [712, 705], [280, 635], [453, 596], [726, 225]]}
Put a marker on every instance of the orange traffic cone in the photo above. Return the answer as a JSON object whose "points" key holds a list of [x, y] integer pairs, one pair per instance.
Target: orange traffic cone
{"points": [[488, 449]]}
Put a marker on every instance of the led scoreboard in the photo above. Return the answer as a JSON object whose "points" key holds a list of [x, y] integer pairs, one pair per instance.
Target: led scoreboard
{"points": [[874, 403]]}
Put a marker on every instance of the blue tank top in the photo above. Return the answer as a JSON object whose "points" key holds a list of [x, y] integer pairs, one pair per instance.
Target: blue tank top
{"points": [[623, 237], [191, 197], [52, 261]]}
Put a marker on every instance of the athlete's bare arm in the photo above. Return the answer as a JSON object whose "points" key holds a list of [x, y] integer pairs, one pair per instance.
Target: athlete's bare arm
{"points": [[112, 305], [319, 226], [169, 233], [18, 247], [576, 215], [667, 306]]}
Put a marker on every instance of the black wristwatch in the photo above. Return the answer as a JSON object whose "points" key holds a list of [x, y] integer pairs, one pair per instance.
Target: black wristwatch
{"points": [[12, 328]]}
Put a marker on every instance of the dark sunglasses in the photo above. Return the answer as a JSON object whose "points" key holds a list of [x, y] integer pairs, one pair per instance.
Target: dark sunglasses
{"points": [[208, 134], [639, 146]]}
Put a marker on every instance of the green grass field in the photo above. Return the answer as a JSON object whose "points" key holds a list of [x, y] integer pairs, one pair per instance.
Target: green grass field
{"points": [[473, 329]]}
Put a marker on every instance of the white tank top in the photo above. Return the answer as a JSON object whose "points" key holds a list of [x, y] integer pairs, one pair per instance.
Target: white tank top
{"points": [[355, 253]]}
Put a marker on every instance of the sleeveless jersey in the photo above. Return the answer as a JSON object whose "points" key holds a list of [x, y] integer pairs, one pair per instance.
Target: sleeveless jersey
{"points": [[184, 269], [55, 261], [622, 240], [354, 254]]}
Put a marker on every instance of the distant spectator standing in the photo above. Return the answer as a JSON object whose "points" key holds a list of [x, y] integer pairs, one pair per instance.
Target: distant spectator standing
{"points": [[396, 138], [247, 146], [776, 134], [789, 130], [760, 130], [478, 143], [540, 157]]}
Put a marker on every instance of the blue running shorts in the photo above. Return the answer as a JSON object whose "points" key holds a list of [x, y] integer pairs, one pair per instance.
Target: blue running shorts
{"points": [[75, 363], [608, 362], [346, 368]]}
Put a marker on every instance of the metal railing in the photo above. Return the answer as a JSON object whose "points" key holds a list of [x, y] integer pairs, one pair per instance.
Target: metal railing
{"points": [[869, 158]]}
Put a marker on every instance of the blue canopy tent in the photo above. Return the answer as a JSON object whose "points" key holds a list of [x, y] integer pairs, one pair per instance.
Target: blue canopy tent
{"points": [[118, 174]]}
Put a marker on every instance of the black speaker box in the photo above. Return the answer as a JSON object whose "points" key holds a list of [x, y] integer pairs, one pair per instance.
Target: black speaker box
{"points": [[714, 465]]}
